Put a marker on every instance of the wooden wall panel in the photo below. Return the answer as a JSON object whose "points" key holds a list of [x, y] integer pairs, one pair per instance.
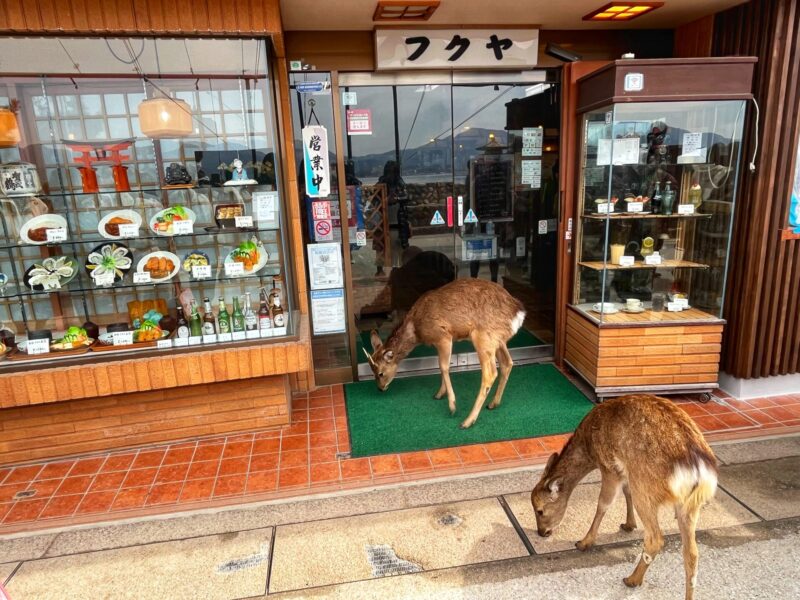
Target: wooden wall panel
{"points": [[762, 304], [694, 39], [141, 17]]}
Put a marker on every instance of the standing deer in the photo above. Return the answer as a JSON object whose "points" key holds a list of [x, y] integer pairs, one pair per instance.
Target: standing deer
{"points": [[473, 309], [653, 451]]}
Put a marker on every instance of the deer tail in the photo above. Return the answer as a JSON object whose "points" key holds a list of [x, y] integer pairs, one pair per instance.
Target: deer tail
{"points": [[696, 482]]}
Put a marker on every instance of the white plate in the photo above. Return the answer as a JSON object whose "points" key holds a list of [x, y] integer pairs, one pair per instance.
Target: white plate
{"points": [[159, 254], [51, 221], [131, 215], [154, 218], [633, 311], [609, 309], [263, 258]]}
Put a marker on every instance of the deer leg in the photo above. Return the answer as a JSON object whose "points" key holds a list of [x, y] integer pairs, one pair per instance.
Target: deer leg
{"points": [[504, 358], [488, 375], [609, 488], [445, 348], [687, 524], [630, 517], [653, 542]]}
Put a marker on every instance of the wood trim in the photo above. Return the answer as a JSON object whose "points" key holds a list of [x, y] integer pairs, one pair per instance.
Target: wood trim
{"points": [[694, 38]]}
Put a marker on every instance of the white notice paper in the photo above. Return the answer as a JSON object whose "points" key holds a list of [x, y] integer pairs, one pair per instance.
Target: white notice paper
{"points": [[327, 311], [532, 141], [626, 151], [122, 338], [532, 173], [692, 144], [325, 266], [603, 152], [38, 347], [265, 207]]}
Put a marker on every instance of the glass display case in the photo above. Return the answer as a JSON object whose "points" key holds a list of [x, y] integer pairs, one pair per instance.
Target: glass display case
{"points": [[139, 212]]}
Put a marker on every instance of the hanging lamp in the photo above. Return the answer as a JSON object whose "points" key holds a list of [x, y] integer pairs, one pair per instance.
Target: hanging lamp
{"points": [[165, 118], [9, 127]]}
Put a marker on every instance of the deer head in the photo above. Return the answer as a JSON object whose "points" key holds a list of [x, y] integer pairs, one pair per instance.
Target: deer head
{"points": [[382, 362], [549, 499]]}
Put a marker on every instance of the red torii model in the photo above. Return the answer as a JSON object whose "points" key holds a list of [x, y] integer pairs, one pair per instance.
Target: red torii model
{"points": [[98, 152]]}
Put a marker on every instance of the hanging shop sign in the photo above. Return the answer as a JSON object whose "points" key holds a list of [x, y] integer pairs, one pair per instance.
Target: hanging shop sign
{"points": [[315, 159], [359, 121], [456, 48], [314, 87]]}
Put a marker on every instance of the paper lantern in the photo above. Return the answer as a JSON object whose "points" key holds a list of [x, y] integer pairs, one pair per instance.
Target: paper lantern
{"points": [[9, 129], [165, 118]]}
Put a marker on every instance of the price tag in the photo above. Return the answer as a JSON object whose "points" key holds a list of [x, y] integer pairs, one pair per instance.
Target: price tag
{"points": [[653, 259], [252, 334], [239, 335], [210, 338], [276, 331], [233, 269], [626, 261], [246, 221], [674, 307], [143, 277], [682, 302], [195, 340], [129, 230], [38, 347], [104, 280], [604, 208], [201, 271], [685, 209], [58, 234], [122, 338], [182, 227], [635, 207], [224, 337], [163, 344], [180, 342], [265, 332]]}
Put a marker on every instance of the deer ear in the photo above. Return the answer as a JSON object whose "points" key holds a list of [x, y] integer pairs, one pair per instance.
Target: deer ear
{"points": [[377, 344], [388, 355], [554, 487], [550, 462]]}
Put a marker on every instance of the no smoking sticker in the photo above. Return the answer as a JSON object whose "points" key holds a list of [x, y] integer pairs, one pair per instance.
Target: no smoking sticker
{"points": [[323, 230]]}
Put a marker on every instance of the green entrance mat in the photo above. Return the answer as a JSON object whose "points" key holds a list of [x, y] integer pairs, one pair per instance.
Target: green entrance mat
{"points": [[538, 401], [522, 339]]}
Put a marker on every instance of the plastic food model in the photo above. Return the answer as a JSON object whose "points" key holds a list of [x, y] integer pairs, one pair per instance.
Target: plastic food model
{"points": [[73, 338], [194, 259], [110, 258], [148, 332], [50, 273], [159, 267], [164, 222], [247, 254], [112, 227]]}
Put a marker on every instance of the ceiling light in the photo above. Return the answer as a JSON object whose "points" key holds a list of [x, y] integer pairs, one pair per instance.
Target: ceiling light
{"points": [[622, 11], [404, 10]]}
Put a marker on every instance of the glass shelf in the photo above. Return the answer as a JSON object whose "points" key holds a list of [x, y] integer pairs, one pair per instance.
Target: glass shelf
{"points": [[665, 264], [155, 190], [623, 216]]}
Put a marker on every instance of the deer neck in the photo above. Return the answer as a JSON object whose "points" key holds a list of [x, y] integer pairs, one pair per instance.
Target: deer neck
{"points": [[573, 465], [403, 340]]}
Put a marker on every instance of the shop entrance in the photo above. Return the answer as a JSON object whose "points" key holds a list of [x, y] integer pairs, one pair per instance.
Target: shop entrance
{"points": [[456, 176]]}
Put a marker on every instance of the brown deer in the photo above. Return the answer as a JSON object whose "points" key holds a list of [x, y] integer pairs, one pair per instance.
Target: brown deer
{"points": [[653, 451], [474, 309]]}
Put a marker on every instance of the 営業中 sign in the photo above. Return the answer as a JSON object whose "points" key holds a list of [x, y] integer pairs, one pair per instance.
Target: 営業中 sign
{"points": [[315, 160]]}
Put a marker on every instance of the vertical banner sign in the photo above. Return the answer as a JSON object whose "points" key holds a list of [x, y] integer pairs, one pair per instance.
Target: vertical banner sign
{"points": [[794, 203], [315, 158], [449, 211], [460, 211]]}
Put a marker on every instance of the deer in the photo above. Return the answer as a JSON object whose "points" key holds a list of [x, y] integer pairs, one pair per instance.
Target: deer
{"points": [[654, 452], [475, 309]]}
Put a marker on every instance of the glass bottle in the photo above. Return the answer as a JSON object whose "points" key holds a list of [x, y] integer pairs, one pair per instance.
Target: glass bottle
{"points": [[264, 321], [278, 317], [238, 318], [655, 201], [209, 321], [223, 317], [196, 323], [696, 194], [183, 324], [275, 292], [250, 318], [668, 200]]}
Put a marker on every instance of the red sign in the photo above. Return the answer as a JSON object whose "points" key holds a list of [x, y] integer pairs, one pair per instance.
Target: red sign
{"points": [[359, 121], [321, 209]]}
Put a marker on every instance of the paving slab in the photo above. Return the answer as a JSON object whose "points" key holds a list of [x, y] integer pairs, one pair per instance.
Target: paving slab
{"points": [[742, 452], [6, 569], [770, 488], [723, 511], [25, 548], [391, 543], [223, 567]]}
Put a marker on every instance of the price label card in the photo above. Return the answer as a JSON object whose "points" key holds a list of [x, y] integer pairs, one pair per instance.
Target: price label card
{"points": [[635, 207], [224, 337], [674, 307], [239, 335], [604, 208], [182, 227], [38, 347], [179, 342], [653, 259], [244, 221], [129, 230], [234, 268], [626, 261], [201, 271], [252, 334], [58, 234], [682, 302], [163, 344], [210, 338], [685, 209], [276, 331], [265, 332], [122, 338], [143, 277], [195, 340], [104, 280]]}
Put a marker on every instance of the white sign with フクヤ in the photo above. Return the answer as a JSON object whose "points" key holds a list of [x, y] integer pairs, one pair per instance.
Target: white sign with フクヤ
{"points": [[325, 266], [492, 47], [315, 161], [327, 311], [532, 141]]}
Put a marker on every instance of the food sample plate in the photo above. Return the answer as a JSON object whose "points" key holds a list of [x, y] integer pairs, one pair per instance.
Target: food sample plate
{"points": [[161, 223], [50, 274], [108, 227], [20, 352], [35, 230], [195, 259], [105, 343], [161, 265], [110, 257], [256, 266]]}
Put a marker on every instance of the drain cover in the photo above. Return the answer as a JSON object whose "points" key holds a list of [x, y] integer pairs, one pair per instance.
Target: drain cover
{"points": [[385, 562], [24, 495]]}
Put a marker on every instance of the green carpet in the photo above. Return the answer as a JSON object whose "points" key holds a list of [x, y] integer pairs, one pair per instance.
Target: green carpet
{"points": [[522, 339], [538, 401]]}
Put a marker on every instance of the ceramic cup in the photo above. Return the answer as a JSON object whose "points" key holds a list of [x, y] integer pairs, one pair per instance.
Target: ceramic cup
{"points": [[633, 304]]}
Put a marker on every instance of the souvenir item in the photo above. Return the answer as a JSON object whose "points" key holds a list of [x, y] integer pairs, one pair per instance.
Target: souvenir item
{"points": [[109, 258], [51, 273], [35, 230], [177, 174], [19, 179], [239, 174]]}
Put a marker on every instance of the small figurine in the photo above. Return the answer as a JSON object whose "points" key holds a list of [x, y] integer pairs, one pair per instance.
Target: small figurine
{"points": [[239, 174], [177, 174]]}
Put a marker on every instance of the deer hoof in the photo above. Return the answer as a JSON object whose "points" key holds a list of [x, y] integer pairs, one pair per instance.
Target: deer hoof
{"points": [[491, 406], [629, 581], [465, 425], [626, 527], [583, 546]]}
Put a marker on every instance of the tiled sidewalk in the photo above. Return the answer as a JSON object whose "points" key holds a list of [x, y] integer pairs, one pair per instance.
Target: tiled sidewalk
{"points": [[305, 458]]}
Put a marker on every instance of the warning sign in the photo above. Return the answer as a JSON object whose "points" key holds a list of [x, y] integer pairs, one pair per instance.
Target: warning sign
{"points": [[470, 218], [323, 230], [359, 121], [361, 238], [321, 209], [437, 219]]}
